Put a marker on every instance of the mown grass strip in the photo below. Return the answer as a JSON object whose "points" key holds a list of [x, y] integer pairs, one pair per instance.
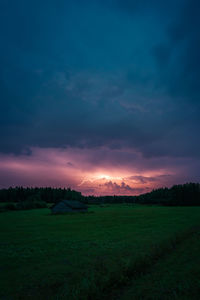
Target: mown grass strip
{"points": [[174, 277], [144, 264]]}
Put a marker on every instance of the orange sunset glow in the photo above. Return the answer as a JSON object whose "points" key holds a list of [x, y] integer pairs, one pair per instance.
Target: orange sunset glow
{"points": [[81, 169]]}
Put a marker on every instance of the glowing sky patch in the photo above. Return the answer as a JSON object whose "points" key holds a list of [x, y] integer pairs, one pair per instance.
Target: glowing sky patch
{"points": [[90, 172]]}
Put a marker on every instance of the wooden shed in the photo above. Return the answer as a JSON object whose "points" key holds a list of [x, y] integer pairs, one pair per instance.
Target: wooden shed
{"points": [[68, 206]]}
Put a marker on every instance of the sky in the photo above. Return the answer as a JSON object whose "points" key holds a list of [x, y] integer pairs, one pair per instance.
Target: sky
{"points": [[102, 96]]}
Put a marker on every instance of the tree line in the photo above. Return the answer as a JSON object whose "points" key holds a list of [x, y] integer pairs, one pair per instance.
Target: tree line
{"points": [[179, 195], [47, 194]]}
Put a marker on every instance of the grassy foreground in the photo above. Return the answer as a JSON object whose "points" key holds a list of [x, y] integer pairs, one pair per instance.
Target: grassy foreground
{"points": [[175, 277], [82, 256]]}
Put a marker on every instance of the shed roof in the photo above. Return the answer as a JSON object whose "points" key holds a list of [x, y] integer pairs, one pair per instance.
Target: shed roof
{"points": [[72, 203]]}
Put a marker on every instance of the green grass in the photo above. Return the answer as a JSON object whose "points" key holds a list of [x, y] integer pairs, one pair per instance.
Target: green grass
{"points": [[176, 277], [81, 256]]}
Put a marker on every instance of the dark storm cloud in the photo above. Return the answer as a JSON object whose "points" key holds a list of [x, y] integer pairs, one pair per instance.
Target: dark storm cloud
{"points": [[178, 58], [145, 179], [133, 6], [100, 73]]}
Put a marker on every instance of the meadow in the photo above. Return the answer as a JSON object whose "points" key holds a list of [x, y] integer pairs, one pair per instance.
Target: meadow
{"points": [[94, 255], [176, 276]]}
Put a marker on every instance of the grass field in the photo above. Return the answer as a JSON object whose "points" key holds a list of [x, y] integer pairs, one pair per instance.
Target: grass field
{"points": [[84, 256], [175, 277]]}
